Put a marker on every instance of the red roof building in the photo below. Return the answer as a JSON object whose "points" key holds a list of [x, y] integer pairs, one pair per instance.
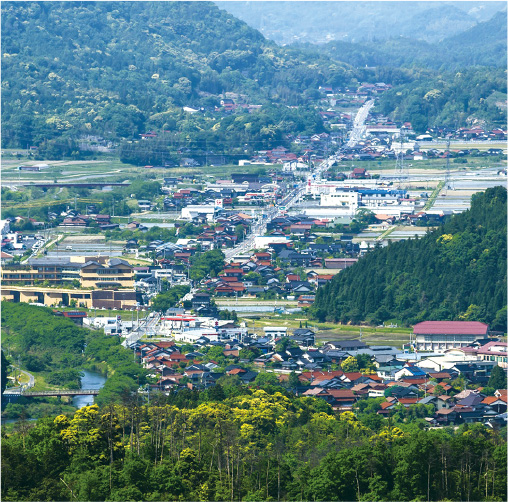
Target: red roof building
{"points": [[439, 336]]}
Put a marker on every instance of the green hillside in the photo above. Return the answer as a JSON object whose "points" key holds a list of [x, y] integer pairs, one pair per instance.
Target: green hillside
{"points": [[449, 99], [318, 22], [119, 68], [454, 82], [482, 45], [457, 272]]}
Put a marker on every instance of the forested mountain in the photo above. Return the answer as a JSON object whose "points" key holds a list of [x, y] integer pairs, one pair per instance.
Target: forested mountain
{"points": [[482, 45], [118, 68], [471, 96], [457, 272], [320, 22]]}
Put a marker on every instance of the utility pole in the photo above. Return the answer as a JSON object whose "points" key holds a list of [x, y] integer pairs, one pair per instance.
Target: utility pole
{"points": [[401, 170], [448, 174]]}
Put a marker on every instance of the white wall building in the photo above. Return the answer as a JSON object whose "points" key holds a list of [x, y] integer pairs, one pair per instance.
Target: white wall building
{"points": [[4, 227], [442, 335], [275, 331], [190, 212], [192, 335], [344, 199], [262, 242]]}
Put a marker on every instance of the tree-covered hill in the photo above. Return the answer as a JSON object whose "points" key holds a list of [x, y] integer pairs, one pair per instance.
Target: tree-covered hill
{"points": [[457, 272], [54, 348], [318, 22], [482, 45], [471, 96], [239, 444], [117, 68], [455, 82]]}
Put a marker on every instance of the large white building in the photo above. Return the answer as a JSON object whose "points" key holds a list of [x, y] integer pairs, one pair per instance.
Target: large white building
{"points": [[4, 227], [262, 242], [190, 212], [192, 335], [341, 198], [275, 331], [439, 336]]}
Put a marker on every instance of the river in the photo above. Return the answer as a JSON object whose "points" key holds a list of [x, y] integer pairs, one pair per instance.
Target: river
{"points": [[90, 381]]}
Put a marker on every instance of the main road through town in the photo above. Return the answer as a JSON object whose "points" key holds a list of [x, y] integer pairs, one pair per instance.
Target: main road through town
{"points": [[261, 222], [260, 225]]}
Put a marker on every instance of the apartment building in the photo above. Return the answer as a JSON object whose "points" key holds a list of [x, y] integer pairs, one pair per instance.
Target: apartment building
{"points": [[96, 272]]}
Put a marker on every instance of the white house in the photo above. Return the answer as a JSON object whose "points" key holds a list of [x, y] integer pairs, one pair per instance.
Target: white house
{"points": [[275, 331], [190, 212]]}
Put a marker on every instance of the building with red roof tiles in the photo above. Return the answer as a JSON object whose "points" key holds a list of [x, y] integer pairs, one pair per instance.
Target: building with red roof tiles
{"points": [[407, 401], [292, 277], [439, 336], [386, 408], [352, 377], [236, 371], [499, 404]]}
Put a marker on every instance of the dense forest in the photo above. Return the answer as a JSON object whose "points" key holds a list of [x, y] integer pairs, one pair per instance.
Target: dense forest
{"points": [[457, 272], [235, 443], [366, 21], [118, 69], [468, 97], [482, 45], [74, 70], [234, 136]]}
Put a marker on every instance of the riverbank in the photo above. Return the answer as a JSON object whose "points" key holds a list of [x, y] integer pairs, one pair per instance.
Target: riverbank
{"points": [[16, 408]]}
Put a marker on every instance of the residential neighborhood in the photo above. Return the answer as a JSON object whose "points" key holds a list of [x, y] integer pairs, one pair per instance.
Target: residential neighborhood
{"points": [[452, 383]]}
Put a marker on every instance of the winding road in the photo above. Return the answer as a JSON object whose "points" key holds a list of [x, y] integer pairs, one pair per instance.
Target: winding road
{"points": [[17, 389]]}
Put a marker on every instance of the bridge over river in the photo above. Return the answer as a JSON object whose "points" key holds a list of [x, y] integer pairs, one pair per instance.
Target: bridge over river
{"points": [[50, 393]]}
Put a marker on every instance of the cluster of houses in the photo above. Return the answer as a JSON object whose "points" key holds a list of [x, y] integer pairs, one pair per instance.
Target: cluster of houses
{"points": [[74, 219], [244, 189], [255, 273], [401, 378]]}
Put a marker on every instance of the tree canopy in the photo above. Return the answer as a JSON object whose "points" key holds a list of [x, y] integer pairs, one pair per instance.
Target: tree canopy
{"points": [[457, 272], [251, 445]]}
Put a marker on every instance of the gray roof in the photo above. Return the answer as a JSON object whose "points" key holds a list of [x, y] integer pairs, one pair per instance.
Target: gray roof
{"points": [[303, 331], [117, 261], [349, 344], [91, 262], [427, 400], [51, 262]]}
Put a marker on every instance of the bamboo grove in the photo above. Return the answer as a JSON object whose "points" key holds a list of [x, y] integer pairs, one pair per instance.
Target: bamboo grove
{"points": [[256, 445]]}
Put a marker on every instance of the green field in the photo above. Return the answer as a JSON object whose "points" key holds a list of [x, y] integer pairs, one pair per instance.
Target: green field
{"points": [[109, 169], [389, 165], [326, 332]]}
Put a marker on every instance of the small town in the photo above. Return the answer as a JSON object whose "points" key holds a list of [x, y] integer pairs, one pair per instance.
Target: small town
{"points": [[241, 252]]}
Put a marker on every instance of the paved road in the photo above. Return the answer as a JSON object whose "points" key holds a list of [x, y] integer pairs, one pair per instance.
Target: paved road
{"points": [[16, 390], [147, 326], [359, 124], [259, 227], [294, 195]]}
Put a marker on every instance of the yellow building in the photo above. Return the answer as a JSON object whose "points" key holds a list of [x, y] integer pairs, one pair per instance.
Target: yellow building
{"points": [[115, 273], [103, 282], [53, 297], [95, 272]]}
